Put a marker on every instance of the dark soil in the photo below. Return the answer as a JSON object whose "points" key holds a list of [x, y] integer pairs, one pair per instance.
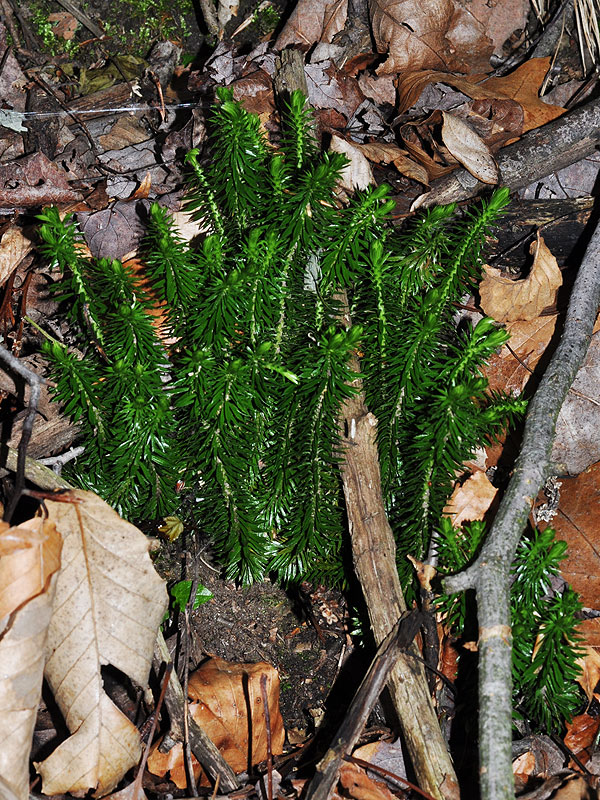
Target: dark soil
{"points": [[303, 632]]}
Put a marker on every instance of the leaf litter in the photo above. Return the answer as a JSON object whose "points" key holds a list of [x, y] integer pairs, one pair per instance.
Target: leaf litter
{"points": [[416, 54]]}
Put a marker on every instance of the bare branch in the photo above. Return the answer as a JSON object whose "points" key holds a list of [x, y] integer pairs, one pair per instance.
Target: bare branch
{"points": [[490, 574]]}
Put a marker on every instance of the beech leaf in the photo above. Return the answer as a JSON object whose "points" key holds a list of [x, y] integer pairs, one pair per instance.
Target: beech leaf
{"points": [[29, 558], [507, 300], [108, 606]]}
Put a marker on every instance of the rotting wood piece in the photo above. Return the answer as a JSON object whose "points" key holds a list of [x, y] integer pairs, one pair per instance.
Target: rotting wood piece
{"points": [[561, 223], [374, 555]]}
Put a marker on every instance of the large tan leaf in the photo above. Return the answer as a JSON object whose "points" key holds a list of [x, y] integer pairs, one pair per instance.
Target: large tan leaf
{"points": [[522, 85], [421, 34], [29, 557], [507, 300], [228, 707], [108, 606]]}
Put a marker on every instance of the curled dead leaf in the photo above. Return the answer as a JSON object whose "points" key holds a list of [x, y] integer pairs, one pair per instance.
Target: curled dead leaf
{"points": [[469, 149], [389, 153], [508, 300], [29, 561]]}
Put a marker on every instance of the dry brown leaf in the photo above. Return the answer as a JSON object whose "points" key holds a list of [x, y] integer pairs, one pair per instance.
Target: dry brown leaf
{"points": [[588, 679], [108, 606], [522, 85], [143, 190], [389, 153], [507, 300], [418, 138], [13, 249], [227, 704], [524, 766], [577, 441], [64, 24], [359, 785], [589, 630], [313, 21], [500, 20], [511, 368], [125, 132], [581, 732], [578, 524], [420, 34], [471, 500], [384, 754], [357, 174], [469, 149], [29, 555], [29, 560]]}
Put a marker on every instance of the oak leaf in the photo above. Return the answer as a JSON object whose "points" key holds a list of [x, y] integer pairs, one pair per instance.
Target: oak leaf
{"points": [[523, 86], [108, 606]]}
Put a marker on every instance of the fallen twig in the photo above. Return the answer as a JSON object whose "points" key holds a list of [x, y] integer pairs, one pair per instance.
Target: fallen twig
{"points": [[35, 385], [539, 153], [490, 574], [400, 637]]}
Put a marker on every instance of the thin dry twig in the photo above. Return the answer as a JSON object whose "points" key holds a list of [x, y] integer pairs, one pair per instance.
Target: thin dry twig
{"points": [[267, 713], [35, 383]]}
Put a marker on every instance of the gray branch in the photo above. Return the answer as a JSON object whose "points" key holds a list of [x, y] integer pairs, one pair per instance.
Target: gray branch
{"points": [[538, 153], [490, 574]]}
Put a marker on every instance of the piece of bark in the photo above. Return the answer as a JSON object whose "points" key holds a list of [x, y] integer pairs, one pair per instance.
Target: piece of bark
{"points": [[539, 153], [36, 473], [102, 101], [561, 223], [374, 556], [289, 74]]}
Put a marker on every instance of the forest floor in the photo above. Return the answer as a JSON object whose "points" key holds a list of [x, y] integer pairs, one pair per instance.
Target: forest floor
{"points": [[100, 103]]}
